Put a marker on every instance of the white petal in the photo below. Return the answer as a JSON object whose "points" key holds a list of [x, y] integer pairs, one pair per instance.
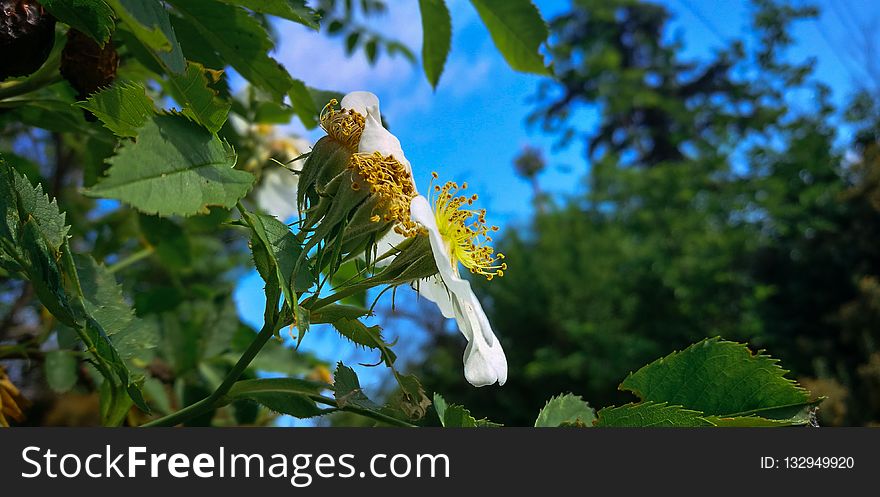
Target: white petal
{"points": [[375, 138], [434, 290], [276, 194], [421, 212], [484, 359], [361, 102]]}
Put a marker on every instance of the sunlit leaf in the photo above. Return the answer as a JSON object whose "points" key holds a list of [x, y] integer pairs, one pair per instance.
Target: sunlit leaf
{"points": [[455, 416], [283, 395], [650, 415], [518, 31], [292, 10], [721, 378], [198, 99], [275, 250], [436, 37], [347, 389], [92, 17], [122, 108], [149, 22], [240, 39], [174, 167], [565, 409]]}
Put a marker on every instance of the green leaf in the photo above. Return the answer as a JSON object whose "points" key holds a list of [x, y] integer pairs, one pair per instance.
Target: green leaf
{"points": [[371, 48], [750, 422], [436, 37], [351, 42], [92, 17], [32, 235], [23, 202], [304, 104], [197, 330], [347, 273], [115, 404], [283, 395], [43, 271], [135, 342], [198, 99], [292, 10], [122, 108], [341, 317], [148, 21], [25, 166], [275, 250], [114, 332], [347, 389], [174, 167], [565, 409], [518, 31], [410, 398], [650, 415], [195, 47], [720, 378], [32, 228], [102, 296], [241, 40], [60, 367], [440, 406], [455, 416]]}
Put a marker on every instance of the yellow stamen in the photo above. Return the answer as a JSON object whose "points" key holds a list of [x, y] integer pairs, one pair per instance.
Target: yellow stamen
{"points": [[465, 231], [393, 183], [11, 401], [344, 126]]}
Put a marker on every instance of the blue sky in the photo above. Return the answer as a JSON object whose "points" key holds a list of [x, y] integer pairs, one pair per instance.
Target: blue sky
{"points": [[473, 125]]}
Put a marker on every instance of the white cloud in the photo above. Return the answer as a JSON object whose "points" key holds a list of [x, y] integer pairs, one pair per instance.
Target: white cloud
{"points": [[320, 61]]}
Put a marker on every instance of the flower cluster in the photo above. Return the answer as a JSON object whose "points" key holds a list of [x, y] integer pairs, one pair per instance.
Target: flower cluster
{"points": [[356, 191]]}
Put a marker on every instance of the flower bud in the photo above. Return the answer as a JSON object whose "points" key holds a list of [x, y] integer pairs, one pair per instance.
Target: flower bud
{"points": [[353, 189]]}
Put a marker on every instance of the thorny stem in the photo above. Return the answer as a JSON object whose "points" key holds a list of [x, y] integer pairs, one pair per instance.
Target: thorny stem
{"points": [[210, 402], [218, 397], [29, 85], [378, 416]]}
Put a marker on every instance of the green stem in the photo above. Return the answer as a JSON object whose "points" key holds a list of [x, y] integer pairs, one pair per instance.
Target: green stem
{"points": [[378, 416], [341, 294], [131, 259], [23, 351], [216, 398], [47, 74], [29, 85]]}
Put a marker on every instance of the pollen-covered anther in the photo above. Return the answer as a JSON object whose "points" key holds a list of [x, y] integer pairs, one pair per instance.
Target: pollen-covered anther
{"points": [[465, 231], [344, 126], [392, 182]]}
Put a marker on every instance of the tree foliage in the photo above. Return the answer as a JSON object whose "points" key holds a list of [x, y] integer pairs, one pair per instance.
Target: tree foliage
{"points": [[718, 202], [132, 169]]}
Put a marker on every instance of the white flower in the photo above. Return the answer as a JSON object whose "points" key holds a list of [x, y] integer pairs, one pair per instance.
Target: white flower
{"points": [[452, 242], [276, 194], [484, 359], [375, 138], [454, 236]]}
